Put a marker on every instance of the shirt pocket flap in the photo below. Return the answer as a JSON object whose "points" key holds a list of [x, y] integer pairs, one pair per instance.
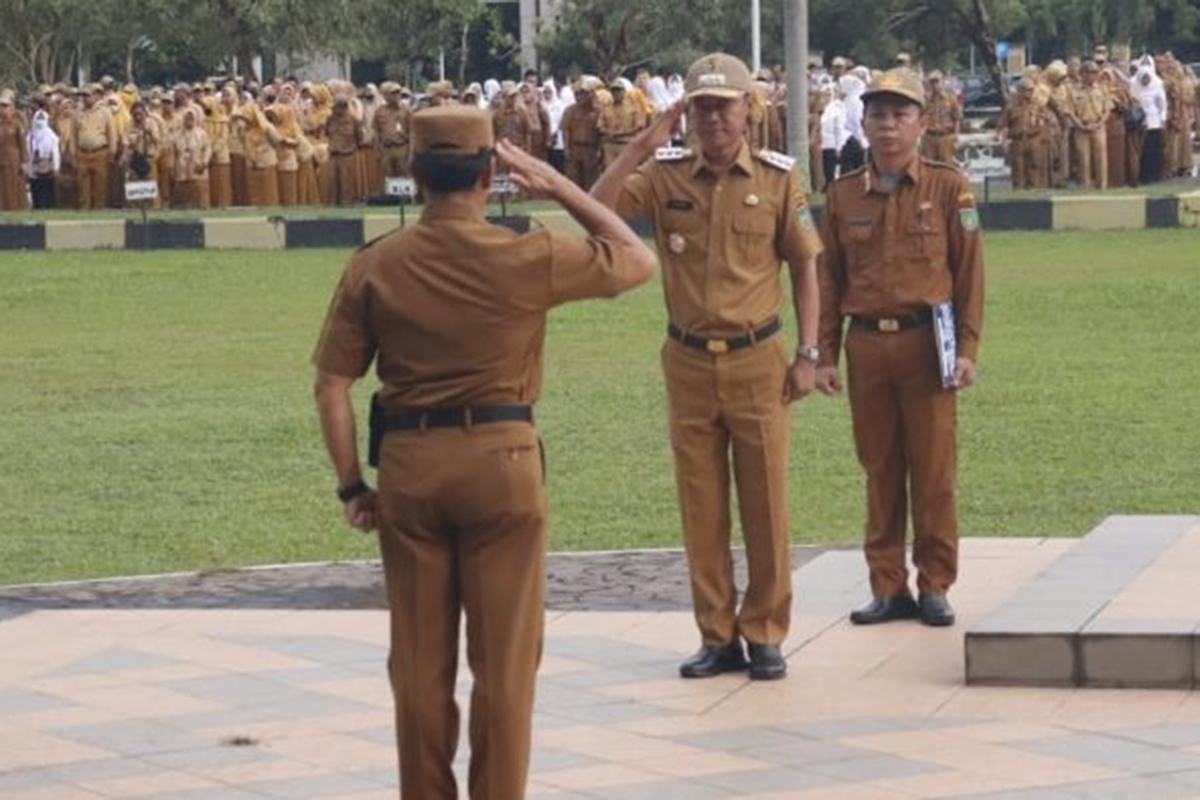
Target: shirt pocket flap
{"points": [[756, 224]]}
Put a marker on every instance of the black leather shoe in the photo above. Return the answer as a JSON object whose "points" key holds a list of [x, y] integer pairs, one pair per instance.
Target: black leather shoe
{"points": [[766, 662], [885, 609], [712, 660], [935, 609]]}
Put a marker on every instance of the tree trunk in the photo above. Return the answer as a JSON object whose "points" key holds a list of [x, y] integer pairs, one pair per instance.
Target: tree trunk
{"points": [[464, 52], [981, 36], [129, 62]]}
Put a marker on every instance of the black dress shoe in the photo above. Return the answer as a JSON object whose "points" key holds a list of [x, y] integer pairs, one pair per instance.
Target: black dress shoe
{"points": [[712, 660], [885, 609], [935, 609], [766, 662]]}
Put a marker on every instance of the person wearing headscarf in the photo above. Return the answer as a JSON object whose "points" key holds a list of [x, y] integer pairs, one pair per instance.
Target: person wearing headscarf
{"points": [[833, 133], [262, 162], [45, 160], [1152, 97], [193, 152], [235, 146], [853, 153], [491, 92], [554, 114], [287, 168], [313, 122], [140, 147], [539, 120], [656, 92], [220, 173], [13, 155]]}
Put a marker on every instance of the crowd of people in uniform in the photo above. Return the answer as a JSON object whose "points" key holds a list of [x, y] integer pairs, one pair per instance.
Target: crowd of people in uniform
{"points": [[289, 142], [1102, 124]]}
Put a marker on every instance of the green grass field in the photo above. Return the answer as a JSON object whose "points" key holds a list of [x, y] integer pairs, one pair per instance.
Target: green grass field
{"points": [[158, 414]]}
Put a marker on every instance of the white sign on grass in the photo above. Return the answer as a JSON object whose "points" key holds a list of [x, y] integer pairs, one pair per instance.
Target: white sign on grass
{"points": [[400, 187], [503, 184], [141, 190]]}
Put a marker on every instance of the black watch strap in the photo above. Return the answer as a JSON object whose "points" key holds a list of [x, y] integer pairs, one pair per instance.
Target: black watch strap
{"points": [[348, 493]]}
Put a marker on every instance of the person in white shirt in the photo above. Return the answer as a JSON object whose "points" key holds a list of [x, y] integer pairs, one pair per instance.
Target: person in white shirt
{"points": [[833, 132], [556, 153], [853, 151], [1152, 96], [45, 160]]}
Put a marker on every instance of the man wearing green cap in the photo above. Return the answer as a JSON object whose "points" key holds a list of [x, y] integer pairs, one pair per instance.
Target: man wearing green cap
{"points": [[452, 311], [901, 238], [724, 218]]}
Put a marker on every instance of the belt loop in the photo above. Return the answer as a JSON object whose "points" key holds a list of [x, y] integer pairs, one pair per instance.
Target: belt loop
{"points": [[467, 421], [753, 334], [423, 423]]}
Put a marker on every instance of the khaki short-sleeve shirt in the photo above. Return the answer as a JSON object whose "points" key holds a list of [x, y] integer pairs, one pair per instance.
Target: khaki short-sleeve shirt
{"points": [[453, 309], [721, 238]]}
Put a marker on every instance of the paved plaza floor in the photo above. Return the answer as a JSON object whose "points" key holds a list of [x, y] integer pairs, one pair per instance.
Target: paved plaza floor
{"points": [[214, 693]]}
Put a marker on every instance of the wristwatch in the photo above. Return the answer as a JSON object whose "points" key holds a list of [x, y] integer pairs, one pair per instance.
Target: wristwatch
{"points": [[348, 493], [809, 353]]}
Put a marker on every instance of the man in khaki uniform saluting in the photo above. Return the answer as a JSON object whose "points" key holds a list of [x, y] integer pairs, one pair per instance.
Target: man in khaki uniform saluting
{"points": [[724, 217], [392, 122], [901, 236], [452, 311]]}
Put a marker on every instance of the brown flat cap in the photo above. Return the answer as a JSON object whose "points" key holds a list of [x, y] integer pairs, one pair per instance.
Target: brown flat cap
{"points": [[901, 82], [718, 75], [454, 130]]}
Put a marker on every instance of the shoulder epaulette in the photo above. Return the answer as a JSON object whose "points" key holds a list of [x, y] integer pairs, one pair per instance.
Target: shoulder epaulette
{"points": [[929, 162], [776, 159], [667, 154]]}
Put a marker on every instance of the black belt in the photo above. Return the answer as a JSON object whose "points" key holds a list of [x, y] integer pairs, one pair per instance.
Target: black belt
{"points": [[900, 322], [719, 345], [454, 416]]}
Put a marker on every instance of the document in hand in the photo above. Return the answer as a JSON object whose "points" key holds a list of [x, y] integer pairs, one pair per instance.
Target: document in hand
{"points": [[944, 336]]}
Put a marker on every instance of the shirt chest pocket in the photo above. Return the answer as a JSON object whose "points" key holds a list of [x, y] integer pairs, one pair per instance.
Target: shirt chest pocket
{"points": [[755, 234], [856, 236], [926, 237]]}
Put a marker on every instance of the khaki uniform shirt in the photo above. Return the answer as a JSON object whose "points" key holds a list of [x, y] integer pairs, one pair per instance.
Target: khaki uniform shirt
{"points": [[581, 128], [453, 309], [514, 125], [344, 134], [192, 151], [942, 113], [891, 253], [1090, 104], [13, 142], [392, 126], [619, 123], [721, 238], [144, 140], [95, 130]]}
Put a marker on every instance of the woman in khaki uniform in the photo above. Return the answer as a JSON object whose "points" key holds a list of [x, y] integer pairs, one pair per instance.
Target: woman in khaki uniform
{"points": [[139, 153], [216, 123], [261, 139], [192, 156], [280, 115], [66, 183], [14, 194], [167, 124], [314, 122]]}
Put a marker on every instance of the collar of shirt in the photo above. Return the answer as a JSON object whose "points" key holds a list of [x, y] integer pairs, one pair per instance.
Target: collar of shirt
{"points": [[744, 162], [453, 206], [871, 178]]}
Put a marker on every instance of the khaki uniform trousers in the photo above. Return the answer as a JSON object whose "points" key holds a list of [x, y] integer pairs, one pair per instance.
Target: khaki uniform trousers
{"points": [[1115, 136], [939, 147], [462, 515], [1030, 167], [93, 170], [393, 161], [288, 187], [583, 166], [1091, 148], [342, 189], [718, 405], [239, 174], [306, 184], [262, 186], [905, 435], [192, 193], [221, 185]]}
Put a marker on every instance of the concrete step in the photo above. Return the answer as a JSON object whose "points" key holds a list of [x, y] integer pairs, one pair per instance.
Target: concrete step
{"points": [[1119, 609]]}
